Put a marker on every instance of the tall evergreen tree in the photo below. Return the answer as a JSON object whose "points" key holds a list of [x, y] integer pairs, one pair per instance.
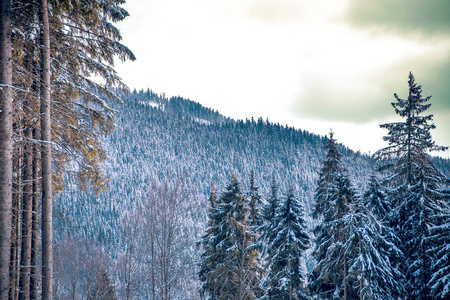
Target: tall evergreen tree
{"points": [[284, 279], [233, 262], [255, 203], [439, 238], [414, 187], [208, 266], [333, 196], [368, 246], [255, 221], [269, 222], [331, 272], [376, 199]]}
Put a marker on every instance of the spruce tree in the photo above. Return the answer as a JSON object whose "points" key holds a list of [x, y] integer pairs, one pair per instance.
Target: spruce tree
{"points": [[414, 186], [376, 199], [440, 252], [255, 221], [369, 248], [333, 196], [284, 279], [269, 222], [255, 203], [331, 271], [267, 231], [209, 259], [232, 256]]}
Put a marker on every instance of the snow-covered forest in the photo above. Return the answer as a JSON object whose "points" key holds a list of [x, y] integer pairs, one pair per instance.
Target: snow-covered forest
{"points": [[108, 193]]}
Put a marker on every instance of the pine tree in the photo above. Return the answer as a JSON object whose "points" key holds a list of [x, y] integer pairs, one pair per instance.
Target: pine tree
{"points": [[368, 247], [331, 271], [333, 195], [440, 252], [267, 230], [255, 203], [209, 259], [284, 279], [331, 168], [376, 199], [414, 187], [255, 221], [229, 258], [269, 222]]}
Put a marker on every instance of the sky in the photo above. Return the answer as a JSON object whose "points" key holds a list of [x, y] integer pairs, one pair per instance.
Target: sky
{"points": [[316, 65]]}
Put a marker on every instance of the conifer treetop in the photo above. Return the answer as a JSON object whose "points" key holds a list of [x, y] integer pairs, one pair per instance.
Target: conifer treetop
{"points": [[411, 137]]}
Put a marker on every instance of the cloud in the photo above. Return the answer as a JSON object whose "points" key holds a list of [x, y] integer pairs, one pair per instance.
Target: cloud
{"points": [[276, 10], [416, 18], [364, 98]]}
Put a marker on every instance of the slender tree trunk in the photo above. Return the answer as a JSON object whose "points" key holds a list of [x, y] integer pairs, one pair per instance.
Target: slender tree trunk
{"points": [[14, 270], [47, 230], [27, 209], [5, 146], [34, 277], [27, 196]]}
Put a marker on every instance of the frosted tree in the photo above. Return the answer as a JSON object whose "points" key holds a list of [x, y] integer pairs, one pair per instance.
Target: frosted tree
{"points": [[268, 216], [440, 267], [331, 271], [414, 186], [368, 247], [233, 257], [255, 221], [209, 259], [333, 195], [284, 279], [376, 199], [255, 203]]}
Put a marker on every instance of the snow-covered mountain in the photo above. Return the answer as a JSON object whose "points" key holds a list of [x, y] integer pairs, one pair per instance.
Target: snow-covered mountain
{"points": [[160, 139]]}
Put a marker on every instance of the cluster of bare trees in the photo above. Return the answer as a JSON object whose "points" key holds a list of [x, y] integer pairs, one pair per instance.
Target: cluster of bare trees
{"points": [[160, 245], [50, 114], [156, 256]]}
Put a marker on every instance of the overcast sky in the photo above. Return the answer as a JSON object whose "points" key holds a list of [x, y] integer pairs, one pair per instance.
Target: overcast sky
{"points": [[316, 65]]}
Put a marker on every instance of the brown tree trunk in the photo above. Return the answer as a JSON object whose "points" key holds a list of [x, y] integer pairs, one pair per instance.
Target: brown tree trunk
{"points": [[5, 145], [27, 175], [34, 280], [27, 208], [14, 270], [47, 228]]}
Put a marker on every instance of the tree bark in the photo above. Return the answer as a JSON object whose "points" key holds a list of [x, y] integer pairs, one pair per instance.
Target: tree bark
{"points": [[47, 205], [34, 277], [5, 145], [27, 208]]}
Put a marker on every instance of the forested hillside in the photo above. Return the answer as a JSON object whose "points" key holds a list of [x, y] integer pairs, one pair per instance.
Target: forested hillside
{"points": [[159, 141]]}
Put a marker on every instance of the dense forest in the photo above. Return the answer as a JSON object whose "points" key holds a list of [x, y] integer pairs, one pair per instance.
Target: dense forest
{"points": [[107, 193]]}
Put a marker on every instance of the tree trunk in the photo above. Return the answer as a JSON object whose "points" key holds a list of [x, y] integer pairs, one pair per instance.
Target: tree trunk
{"points": [[27, 196], [5, 146], [14, 270], [47, 231], [27, 209], [34, 278]]}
